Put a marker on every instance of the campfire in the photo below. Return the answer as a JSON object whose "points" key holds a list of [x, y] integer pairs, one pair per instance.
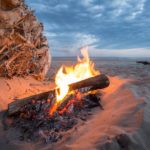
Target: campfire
{"points": [[67, 75], [51, 115]]}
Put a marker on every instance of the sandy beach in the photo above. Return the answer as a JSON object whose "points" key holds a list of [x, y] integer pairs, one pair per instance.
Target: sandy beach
{"points": [[123, 124]]}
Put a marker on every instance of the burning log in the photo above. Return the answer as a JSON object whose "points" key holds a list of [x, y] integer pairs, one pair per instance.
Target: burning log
{"points": [[93, 83]]}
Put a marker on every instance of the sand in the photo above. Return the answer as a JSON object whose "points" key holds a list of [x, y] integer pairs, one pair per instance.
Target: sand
{"points": [[11, 89], [123, 124]]}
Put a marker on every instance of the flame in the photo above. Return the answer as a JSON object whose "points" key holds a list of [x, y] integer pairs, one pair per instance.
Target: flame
{"points": [[67, 75]]}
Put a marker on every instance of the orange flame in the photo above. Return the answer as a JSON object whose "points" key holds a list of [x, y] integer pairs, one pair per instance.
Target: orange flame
{"points": [[67, 75]]}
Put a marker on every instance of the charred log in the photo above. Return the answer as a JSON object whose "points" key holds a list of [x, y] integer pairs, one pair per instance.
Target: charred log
{"points": [[35, 123], [93, 83]]}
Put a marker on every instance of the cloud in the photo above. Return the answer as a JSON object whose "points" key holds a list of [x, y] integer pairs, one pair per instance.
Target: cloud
{"points": [[114, 26], [86, 2], [138, 10], [72, 43], [51, 26], [61, 7], [83, 39], [41, 7], [94, 9], [128, 9], [123, 9], [133, 52], [44, 7]]}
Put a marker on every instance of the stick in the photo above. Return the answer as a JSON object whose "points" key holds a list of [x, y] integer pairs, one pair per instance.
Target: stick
{"points": [[93, 83], [4, 47], [12, 58]]}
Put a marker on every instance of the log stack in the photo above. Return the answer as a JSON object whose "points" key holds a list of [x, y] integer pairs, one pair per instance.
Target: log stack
{"points": [[42, 118], [84, 86], [23, 48]]}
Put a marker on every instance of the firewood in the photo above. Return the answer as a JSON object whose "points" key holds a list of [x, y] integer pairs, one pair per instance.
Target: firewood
{"points": [[8, 4], [12, 58], [19, 38], [22, 19], [93, 83], [21, 35], [3, 48], [37, 42], [41, 51]]}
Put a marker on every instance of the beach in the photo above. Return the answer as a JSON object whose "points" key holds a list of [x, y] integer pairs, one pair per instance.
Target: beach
{"points": [[123, 124]]}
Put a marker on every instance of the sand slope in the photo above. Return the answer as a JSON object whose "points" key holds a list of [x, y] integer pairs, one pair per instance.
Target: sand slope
{"points": [[15, 88]]}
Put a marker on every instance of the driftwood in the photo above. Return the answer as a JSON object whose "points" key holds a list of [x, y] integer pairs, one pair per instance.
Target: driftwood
{"points": [[93, 83], [22, 44], [3, 48], [143, 62], [8, 4]]}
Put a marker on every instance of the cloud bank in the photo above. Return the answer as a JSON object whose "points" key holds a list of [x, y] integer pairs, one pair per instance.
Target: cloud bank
{"points": [[112, 27]]}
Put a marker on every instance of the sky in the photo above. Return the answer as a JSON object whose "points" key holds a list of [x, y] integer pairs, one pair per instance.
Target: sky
{"points": [[110, 28]]}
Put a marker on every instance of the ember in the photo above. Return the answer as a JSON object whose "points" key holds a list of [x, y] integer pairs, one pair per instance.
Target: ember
{"points": [[34, 121]]}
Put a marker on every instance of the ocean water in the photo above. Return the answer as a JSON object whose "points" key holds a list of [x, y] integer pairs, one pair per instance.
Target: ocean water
{"points": [[111, 66]]}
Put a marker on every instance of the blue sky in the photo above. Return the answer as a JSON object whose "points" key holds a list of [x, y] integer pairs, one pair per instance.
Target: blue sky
{"points": [[108, 27]]}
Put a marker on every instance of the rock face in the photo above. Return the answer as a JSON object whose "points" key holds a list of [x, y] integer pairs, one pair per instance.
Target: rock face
{"points": [[23, 48]]}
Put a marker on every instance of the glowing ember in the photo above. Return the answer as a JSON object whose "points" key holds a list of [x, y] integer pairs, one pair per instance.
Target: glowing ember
{"points": [[66, 75]]}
